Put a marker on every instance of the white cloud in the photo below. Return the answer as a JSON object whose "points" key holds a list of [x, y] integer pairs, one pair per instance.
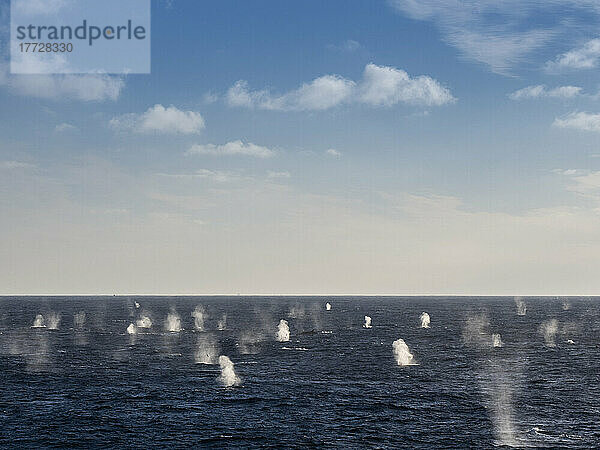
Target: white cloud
{"points": [[67, 87], [499, 33], [62, 127], [58, 87], [231, 148], [584, 57], [386, 86], [333, 152], [283, 174], [218, 176], [380, 86], [322, 93], [540, 91], [38, 7], [584, 182], [159, 119], [9, 165], [209, 98], [567, 172], [579, 121], [349, 46], [588, 183]]}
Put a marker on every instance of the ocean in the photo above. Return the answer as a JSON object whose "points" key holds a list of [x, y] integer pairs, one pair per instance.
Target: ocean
{"points": [[139, 372]]}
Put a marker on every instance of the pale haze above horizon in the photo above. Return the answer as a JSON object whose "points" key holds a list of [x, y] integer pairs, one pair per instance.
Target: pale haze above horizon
{"points": [[387, 147]]}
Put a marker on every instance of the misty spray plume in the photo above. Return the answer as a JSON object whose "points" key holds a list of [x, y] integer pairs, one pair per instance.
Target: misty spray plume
{"points": [[222, 323], [328, 306], [283, 331], [497, 340], [79, 319], [199, 316], [425, 320], [144, 321], [476, 331], [228, 377], [173, 322], [549, 329], [53, 321], [402, 353], [39, 322], [521, 306], [207, 350], [367, 323]]}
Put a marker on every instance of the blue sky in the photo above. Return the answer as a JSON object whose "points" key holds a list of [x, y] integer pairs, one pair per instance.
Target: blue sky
{"points": [[339, 147]]}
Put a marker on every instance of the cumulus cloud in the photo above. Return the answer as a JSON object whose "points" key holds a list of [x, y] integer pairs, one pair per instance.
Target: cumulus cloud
{"points": [[499, 33], [579, 121], [158, 119], [66, 87], [48, 86], [386, 86], [584, 57], [333, 152], [380, 86], [540, 91], [231, 148], [322, 93]]}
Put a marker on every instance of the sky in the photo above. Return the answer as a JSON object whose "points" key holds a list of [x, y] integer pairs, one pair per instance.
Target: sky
{"points": [[388, 147]]}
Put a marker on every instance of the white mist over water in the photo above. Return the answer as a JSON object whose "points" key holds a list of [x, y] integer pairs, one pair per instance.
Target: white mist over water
{"points": [[131, 329], [33, 348], [222, 323], [328, 306], [39, 322], [144, 321], [228, 376], [79, 319], [207, 350], [425, 320], [296, 312], [199, 316], [497, 340], [549, 329], [283, 331], [249, 342], [367, 323], [521, 306], [402, 353], [53, 321], [476, 331], [173, 322], [566, 305], [499, 387], [137, 305]]}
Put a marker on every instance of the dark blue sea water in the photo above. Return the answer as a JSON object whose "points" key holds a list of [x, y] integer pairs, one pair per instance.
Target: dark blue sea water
{"points": [[89, 383]]}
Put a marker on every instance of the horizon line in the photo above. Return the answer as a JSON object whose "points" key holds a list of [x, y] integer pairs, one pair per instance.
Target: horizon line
{"points": [[303, 295]]}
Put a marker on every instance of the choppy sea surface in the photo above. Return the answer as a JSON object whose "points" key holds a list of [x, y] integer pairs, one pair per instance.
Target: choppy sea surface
{"points": [[93, 372]]}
